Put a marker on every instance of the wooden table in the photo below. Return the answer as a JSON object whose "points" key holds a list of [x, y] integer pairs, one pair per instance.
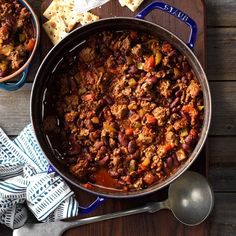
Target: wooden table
{"points": [[221, 60]]}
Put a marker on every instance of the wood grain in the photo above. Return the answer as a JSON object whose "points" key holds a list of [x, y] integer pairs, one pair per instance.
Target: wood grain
{"points": [[224, 108], [222, 172], [221, 53], [221, 13], [222, 221], [14, 110]]}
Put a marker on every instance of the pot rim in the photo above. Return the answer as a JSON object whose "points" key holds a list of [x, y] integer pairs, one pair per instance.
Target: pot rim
{"points": [[197, 149]]}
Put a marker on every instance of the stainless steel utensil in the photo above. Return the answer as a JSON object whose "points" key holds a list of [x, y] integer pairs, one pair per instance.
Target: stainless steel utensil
{"points": [[190, 199]]}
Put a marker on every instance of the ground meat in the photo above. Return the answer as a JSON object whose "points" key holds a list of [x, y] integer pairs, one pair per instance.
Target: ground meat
{"points": [[193, 90], [165, 88], [180, 124], [130, 116], [87, 54], [119, 111], [161, 114]]}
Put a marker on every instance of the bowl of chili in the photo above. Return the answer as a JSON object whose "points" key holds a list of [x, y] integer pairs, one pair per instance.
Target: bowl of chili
{"points": [[125, 106], [19, 37]]}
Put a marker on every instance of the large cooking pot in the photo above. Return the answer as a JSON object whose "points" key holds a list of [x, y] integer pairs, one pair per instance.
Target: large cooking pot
{"points": [[119, 23]]}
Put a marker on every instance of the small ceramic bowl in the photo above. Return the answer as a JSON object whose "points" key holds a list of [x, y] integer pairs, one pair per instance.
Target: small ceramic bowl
{"points": [[23, 71]]}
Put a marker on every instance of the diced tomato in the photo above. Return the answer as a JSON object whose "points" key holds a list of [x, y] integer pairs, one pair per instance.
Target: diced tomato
{"points": [[89, 96], [149, 63], [30, 45], [168, 147], [151, 120], [88, 186], [133, 34], [193, 113], [193, 132], [129, 131]]}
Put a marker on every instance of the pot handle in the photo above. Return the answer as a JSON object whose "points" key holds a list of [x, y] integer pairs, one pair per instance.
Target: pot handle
{"points": [[175, 12], [17, 85], [94, 205]]}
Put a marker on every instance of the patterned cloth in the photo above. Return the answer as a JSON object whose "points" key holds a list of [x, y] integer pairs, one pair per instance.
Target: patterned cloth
{"points": [[24, 180]]}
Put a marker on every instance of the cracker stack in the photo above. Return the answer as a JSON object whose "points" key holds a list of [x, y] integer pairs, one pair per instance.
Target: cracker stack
{"points": [[62, 17], [131, 4]]}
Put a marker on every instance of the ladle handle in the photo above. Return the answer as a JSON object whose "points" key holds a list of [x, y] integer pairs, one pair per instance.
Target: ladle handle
{"points": [[59, 227], [150, 207]]}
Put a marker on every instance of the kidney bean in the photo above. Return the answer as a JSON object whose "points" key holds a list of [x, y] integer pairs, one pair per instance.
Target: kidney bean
{"points": [[113, 173], [189, 75], [123, 139], [175, 160], [10, 21], [133, 69], [120, 60], [184, 79], [117, 54], [105, 140], [136, 155], [178, 93], [174, 110], [185, 115], [152, 80], [185, 66], [114, 125], [106, 52], [2, 73], [104, 161], [166, 169], [108, 100], [175, 102], [180, 58], [169, 162], [186, 147], [98, 144], [89, 125], [189, 139], [103, 150], [147, 98], [132, 147]]}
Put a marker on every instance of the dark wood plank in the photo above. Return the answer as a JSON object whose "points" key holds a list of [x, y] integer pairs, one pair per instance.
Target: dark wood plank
{"points": [[143, 225], [224, 108], [14, 108], [221, 13], [222, 172], [221, 53], [5, 231], [222, 221]]}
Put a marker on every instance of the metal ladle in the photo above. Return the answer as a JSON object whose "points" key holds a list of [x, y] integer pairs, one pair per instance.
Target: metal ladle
{"points": [[190, 199]]}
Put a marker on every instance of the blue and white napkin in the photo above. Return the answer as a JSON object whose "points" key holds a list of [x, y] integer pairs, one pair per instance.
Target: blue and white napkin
{"points": [[24, 180]]}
